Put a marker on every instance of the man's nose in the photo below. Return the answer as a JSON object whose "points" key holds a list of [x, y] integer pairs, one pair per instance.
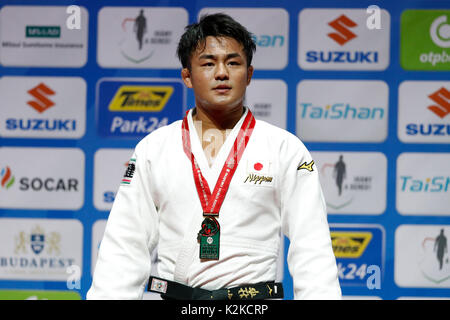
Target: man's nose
{"points": [[221, 72]]}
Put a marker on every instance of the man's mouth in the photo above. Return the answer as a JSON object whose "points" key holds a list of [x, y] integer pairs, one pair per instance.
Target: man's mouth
{"points": [[222, 88]]}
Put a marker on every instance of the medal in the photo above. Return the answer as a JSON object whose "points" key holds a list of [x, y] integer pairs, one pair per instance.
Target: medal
{"points": [[209, 235]]}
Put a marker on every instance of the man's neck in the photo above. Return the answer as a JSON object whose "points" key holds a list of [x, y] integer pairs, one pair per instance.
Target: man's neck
{"points": [[218, 119], [213, 128]]}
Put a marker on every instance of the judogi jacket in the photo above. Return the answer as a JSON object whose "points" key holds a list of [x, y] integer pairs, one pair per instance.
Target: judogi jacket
{"points": [[274, 190]]}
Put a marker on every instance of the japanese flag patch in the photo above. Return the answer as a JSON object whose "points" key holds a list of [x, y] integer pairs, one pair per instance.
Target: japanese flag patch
{"points": [[259, 173]]}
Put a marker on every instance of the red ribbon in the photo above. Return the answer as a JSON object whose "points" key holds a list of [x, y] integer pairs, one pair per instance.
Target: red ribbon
{"points": [[211, 203]]}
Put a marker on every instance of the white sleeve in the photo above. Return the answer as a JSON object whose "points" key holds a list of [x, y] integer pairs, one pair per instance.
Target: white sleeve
{"points": [[311, 260], [124, 262]]}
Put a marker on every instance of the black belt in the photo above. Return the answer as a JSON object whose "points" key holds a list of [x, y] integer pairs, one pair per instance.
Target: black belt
{"points": [[174, 290]]}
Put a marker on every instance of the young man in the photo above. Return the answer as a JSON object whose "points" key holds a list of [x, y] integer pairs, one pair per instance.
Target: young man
{"points": [[214, 192]]}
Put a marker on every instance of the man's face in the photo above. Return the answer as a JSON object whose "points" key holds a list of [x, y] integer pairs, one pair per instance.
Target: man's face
{"points": [[219, 74]]}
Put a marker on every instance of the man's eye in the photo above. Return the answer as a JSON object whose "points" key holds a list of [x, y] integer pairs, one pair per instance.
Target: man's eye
{"points": [[208, 64], [234, 63]]}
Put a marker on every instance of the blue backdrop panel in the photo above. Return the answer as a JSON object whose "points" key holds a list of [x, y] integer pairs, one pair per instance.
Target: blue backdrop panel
{"points": [[372, 250]]}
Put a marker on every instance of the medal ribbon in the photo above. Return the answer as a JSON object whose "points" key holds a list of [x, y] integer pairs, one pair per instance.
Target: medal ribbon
{"points": [[211, 203]]}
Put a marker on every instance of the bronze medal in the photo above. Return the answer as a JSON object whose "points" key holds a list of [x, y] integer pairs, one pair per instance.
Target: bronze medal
{"points": [[209, 239]]}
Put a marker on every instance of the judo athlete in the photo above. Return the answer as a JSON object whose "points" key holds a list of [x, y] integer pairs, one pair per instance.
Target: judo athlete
{"points": [[215, 191]]}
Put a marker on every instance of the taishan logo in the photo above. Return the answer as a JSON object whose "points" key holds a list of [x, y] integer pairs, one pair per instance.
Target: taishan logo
{"points": [[442, 100], [269, 41], [338, 111], [431, 184], [342, 25], [41, 102], [141, 98], [7, 179], [350, 244]]}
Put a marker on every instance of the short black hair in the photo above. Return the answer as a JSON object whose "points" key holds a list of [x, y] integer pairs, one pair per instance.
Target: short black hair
{"points": [[215, 25]]}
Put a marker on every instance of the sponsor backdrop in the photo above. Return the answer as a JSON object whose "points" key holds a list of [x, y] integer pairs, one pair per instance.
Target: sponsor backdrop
{"points": [[365, 85]]}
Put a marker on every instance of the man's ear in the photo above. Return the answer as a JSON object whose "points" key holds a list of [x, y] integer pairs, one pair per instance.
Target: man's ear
{"points": [[186, 76], [249, 74]]}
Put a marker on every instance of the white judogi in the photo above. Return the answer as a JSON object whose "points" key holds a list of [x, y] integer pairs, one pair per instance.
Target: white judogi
{"points": [[268, 195]]}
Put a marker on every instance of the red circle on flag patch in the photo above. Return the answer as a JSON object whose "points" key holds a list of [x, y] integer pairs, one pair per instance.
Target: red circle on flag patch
{"points": [[258, 166]]}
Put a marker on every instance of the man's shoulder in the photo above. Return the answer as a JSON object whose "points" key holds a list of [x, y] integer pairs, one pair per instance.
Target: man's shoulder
{"points": [[276, 133], [286, 144]]}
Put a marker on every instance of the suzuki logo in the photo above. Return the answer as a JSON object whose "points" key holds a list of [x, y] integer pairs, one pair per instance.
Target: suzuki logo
{"points": [[442, 98], [41, 103], [343, 34]]}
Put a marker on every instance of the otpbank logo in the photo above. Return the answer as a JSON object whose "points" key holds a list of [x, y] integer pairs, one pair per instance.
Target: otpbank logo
{"points": [[423, 184], [358, 248], [133, 108], [348, 117], [425, 40], [341, 40], [423, 111], [43, 107]]}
